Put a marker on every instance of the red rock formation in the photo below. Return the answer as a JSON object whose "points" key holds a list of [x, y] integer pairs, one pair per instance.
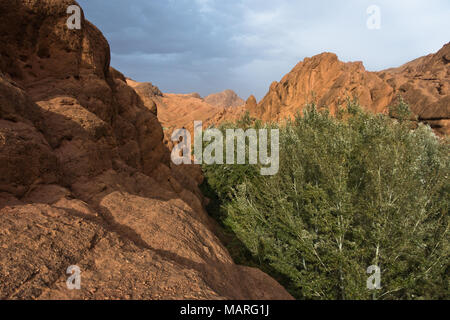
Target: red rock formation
{"points": [[325, 80], [148, 93], [176, 111], [251, 103], [85, 178], [224, 99], [423, 83]]}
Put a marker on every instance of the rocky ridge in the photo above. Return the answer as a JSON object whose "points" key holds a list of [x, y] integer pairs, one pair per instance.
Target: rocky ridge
{"points": [[325, 80]]}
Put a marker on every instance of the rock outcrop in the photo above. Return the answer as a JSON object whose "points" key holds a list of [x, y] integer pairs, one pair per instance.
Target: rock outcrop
{"points": [[148, 93], [425, 85], [323, 79], [86, 180], [224, 99], [251, 103]]}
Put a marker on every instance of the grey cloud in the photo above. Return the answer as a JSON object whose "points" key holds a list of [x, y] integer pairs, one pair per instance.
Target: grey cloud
{"points": [[210, 45]]}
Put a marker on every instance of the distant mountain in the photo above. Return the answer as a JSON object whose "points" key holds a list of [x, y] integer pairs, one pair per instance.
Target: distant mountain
{"points": [[177, 111], [225, 99]]}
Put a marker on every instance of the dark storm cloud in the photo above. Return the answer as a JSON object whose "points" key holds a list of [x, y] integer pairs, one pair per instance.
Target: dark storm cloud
{"points": [[210, 45], [181, 46]]}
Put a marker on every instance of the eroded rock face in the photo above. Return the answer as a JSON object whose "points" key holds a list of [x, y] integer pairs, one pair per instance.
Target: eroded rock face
{"points": [[85, 178], [424, 84], [325, 80], [225, 99]]}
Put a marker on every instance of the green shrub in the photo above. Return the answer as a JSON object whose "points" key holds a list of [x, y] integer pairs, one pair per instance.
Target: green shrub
{"points": [[351, 192]]}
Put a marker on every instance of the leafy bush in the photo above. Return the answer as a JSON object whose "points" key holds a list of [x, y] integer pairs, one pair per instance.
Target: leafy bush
{"points": [[352, 191]]}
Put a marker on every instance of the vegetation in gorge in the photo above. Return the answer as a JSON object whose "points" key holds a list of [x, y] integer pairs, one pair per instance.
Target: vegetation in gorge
{"points": [[353, 190]]}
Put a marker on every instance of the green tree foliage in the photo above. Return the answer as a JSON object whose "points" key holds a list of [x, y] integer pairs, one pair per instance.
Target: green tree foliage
{"points": [[352, 191], [401, 110]]}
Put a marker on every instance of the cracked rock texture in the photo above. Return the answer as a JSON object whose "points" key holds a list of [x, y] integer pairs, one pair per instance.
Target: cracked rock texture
{"points": [[85, 178]]}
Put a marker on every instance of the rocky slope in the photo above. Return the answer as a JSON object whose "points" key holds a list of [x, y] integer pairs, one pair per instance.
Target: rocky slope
{"points": [[176, 111], [85, 178], [323, 79], [224, 99]]}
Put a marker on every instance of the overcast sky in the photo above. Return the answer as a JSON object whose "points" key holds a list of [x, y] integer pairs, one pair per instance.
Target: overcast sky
{"points": [[207, 46]]}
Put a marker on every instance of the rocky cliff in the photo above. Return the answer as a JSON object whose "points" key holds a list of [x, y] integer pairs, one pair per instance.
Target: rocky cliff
{"points": [[323, 79], [425, 85], [85, 178]]}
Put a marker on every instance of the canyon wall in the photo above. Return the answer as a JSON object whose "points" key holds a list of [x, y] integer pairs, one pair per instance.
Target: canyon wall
{"points": [[86, 180]]}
